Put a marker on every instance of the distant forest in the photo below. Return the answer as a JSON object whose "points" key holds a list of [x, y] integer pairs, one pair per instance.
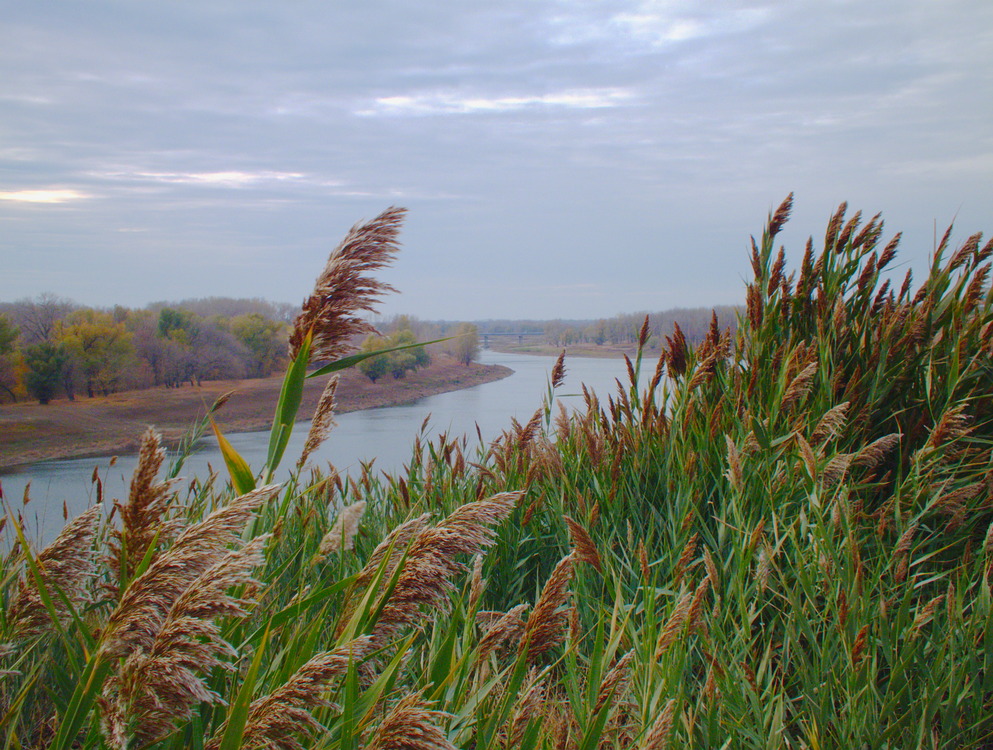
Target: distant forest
{"points": [[51, 347]]}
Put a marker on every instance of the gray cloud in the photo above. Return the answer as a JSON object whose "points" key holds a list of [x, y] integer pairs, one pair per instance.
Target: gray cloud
{"points": [[575, 158]]}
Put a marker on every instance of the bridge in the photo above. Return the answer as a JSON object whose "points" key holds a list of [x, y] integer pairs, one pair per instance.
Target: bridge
{"points": [[521, 335]]}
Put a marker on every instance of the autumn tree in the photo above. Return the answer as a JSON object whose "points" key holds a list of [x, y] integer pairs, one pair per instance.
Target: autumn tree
{"points": [[465, 345], [395, 363], [99, 347], [264, 341]]}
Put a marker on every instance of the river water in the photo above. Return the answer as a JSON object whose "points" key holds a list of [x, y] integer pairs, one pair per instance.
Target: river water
{"points": [[385, 434]]}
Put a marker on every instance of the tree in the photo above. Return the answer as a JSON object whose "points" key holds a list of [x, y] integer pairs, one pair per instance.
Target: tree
{"points": [[397, 363], [45, 362], [36, 318], [8, 372], [264, 341], [99, 347], [465, 345]]}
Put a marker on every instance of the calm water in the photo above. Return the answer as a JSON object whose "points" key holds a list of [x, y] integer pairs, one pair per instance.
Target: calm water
{"points": [[385, 434]]}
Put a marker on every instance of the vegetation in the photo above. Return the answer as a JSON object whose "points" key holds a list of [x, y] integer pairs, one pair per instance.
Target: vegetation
{"points": [[785, 541], [395, 360], [465, 345], [120, 349]]}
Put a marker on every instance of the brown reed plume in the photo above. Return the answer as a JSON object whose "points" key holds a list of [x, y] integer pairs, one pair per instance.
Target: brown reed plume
{"points": [[155, 689], [506, 627], [528, 708], [582, 544], [344, 288], [146, 602], [657, 737], [432, 560], [274, 721], [548, 623], [64, 565], [614, 682], [411, 725], [322, 422], [143, 516]]}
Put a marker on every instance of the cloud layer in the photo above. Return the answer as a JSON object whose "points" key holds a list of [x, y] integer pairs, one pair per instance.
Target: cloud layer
{"points": [[560, 158]]}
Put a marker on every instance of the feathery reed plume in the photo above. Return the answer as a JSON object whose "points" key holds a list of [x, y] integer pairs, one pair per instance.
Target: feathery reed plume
{"points": [[392, 547], [733, 473], [143, 516], [836, 469], [676, 354], [431, 560], [830, 424], [614, 682], [643, 334], [411, 726], [508, 626], [147, 600], [65, 565], [344, 289], [583, 545], [925, 615], [688, 553], [323, 421], [658, 734], [275, 720], [548, 623], [343, 531], [527, 708], [876, 452], [800, 385], [781, 216], [558, 371], [901, 553], [478, 584], [673, 626], [154, 689]]}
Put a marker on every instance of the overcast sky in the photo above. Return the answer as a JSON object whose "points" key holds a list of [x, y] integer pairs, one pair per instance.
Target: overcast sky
{"points": [[569, 159]]}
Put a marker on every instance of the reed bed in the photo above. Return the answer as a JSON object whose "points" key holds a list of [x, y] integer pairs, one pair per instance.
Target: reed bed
{"points": [[784, 542]]}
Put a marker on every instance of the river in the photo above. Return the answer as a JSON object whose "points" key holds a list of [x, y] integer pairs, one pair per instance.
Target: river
{"points": [[386, 434]]}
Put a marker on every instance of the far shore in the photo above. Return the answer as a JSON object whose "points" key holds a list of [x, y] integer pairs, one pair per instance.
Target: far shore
{"points": [[111, 425]]}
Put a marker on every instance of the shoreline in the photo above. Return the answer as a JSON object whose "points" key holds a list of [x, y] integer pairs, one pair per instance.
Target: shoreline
{"points": [[109, 425]]}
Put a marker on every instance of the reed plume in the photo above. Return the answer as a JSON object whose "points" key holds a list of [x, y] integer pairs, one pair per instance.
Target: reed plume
{"points": [[143, 516], [411, 725], [432, 561], [155, 689], [583, 545], [343, 531], [64, 565], [345, 289], [657, 737], [549, 620], [275, 720], [322, 422], [146, 602], [614, 682], [507, 626]]}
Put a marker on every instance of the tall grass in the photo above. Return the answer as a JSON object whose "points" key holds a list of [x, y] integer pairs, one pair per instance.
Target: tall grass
{"points": [[785, 541]]}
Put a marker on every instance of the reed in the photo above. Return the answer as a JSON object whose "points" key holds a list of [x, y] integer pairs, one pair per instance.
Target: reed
{"points": [[787, 538]]}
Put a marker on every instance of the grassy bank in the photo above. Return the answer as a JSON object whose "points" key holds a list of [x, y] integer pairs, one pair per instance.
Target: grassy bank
{"points": [[784, 542], [113, 424]]}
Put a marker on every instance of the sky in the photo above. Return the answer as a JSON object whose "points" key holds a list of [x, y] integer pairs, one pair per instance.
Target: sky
{"points": [[559, 158]]}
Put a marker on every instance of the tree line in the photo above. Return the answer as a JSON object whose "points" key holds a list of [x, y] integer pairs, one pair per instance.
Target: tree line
{"points": [[52, 347]]}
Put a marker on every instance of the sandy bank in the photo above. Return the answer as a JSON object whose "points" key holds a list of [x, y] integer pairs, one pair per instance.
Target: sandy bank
{"points": [[30, 432]]}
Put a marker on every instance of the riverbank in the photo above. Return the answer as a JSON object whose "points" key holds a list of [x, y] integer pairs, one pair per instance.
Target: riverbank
{"points": [[113, 424]]}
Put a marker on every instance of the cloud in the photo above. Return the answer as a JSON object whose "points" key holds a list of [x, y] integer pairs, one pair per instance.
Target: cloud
{"points": [[450, 102], [228, 178], [50, 195]]}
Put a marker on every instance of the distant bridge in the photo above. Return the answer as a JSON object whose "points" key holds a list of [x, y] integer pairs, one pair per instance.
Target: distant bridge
{"points": [[520, 336]]}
